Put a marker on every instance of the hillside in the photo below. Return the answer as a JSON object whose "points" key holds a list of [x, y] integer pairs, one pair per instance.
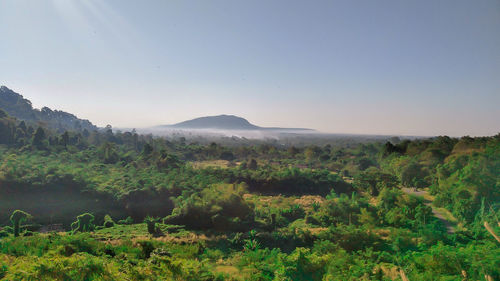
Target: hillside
{"points": [[19, 107]]}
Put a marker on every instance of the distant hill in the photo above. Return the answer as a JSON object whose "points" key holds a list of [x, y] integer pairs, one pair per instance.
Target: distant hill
{"points": [[17, 106], [224, 122]]}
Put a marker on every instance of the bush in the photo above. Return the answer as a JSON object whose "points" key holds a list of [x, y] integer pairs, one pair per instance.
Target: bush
{"points": [[31, 227], [293, 213], [351, 238], [4, 233], [147, 248], [9, 229], [108, 221], [220, 207], [126, 221], [312, 220], [3, 270]]}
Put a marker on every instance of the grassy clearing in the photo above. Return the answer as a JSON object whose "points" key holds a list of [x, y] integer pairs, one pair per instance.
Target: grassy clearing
{"points": [[283, 202], [211, 164], [427, 196], [124, 232]]}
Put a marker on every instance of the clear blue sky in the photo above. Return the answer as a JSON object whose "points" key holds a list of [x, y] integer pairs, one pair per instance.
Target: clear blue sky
{"points": [[373, 67]]}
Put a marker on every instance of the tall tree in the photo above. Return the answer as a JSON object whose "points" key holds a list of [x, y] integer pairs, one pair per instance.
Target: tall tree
{"points": [[39, 136], [17, 218]]}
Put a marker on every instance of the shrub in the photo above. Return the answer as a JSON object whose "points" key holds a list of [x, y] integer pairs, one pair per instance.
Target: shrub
{"points": [[128, 220], [108, 221], [9, 229], [108, 224], [31, 227], [3, 270], [221, 207], [251, 244], [351, 238], [312, 220], [4, 233], [295, 212], [147, 248]]}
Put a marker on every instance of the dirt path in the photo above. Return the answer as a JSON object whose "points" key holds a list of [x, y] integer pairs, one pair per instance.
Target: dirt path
{"points": [[424, 194]]}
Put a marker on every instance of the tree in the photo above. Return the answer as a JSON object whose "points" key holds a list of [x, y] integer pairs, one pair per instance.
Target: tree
{"points": [[368, 180], [64, 139], [17, 218], [108, 153], [311, 153], [400, 148], [151, 223], [375, 180], [168, 161], [364, 163], [367, 218], [39, 136], [226, 155], [413, 175], [7, 130], [22, 126], [292, 150], [83, 223], [252, 164], [3, 114], [147, 149], [21, 133]]}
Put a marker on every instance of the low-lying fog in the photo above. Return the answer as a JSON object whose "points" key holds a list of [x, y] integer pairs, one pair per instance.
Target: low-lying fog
{"points": [[273, 136], [249, 134]]}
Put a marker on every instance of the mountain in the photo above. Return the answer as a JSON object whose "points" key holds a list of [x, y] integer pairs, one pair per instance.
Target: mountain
{"points": [[224, 122], [17, 106]]}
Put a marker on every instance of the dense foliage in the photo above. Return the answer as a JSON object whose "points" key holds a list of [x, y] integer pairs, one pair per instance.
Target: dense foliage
{"points": [[111, 205]]}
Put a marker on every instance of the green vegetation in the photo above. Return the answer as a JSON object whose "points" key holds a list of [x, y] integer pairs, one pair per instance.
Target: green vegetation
{"points": [[16, 105], [315, 209], [17, 218], [83, 223], [151, 223]]}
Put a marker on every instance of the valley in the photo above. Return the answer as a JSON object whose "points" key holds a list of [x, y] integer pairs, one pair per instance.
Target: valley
{"points": [[112, 205]]}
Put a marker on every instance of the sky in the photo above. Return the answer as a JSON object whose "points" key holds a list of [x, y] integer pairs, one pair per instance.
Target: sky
{"points": [[397, 67]]}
